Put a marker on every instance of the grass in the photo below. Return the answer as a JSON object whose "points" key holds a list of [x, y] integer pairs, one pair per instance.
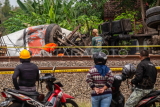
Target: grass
{"points": [[88, 104], [83, 103]]}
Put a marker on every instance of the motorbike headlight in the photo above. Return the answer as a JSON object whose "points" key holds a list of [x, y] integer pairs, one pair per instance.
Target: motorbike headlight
{"points": [[5, 95], [8, 95]]}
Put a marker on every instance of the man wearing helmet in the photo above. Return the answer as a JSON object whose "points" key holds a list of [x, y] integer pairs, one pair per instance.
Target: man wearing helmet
{"points": [[100, 79], [144, 80], [27, 72]]}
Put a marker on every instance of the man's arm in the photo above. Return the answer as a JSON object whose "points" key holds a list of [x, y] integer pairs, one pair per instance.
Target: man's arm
{"points": [[89, 80], [110, 79], [139, 75], [14, 77]]}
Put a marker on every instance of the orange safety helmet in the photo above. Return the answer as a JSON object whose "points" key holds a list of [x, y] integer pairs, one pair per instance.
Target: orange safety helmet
{"points": [[60, 54], [49, 47], [24, 54]]}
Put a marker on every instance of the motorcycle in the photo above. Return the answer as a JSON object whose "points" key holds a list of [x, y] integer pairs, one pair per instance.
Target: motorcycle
{"points": [[118, 100], [54, 98]]}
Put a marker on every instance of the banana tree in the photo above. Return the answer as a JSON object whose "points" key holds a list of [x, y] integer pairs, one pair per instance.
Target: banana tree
{"points": [[23, 7]]}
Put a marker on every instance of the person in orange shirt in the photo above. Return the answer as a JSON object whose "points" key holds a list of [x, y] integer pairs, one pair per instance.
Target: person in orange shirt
{"points": [[48, 48], [60, 52]]}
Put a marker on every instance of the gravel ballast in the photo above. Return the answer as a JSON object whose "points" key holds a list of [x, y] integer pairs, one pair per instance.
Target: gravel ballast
{"points": [[74, 83]]}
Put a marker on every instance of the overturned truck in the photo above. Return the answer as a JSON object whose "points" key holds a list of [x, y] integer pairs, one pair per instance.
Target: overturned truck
{"points": [[33, 38]]}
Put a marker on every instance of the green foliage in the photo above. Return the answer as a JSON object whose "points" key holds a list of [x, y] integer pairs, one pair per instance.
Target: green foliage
{"points": [[130, 4], [130, 15], [18, 21], [65, 13], [90, 8], [6, 8], [127, 15], [13, 24], [39, 14], [124, 51], [52, 14], [23, 7], [105, 51], [46, 5], [92, 21], [55, 11], [152, 3]]}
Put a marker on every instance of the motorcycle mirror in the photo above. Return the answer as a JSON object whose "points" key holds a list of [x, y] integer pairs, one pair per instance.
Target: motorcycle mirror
{"points": [[54, 67]]}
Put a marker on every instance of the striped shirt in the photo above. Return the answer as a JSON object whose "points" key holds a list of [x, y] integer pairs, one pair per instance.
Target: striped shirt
{"points": [[94, 79]]}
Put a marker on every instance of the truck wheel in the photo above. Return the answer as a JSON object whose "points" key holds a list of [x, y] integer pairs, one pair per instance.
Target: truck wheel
{"points": [[50, 35], [153, 21], [153, 11]]}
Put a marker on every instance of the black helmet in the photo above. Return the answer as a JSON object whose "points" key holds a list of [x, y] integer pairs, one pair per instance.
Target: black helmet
{"points": [[129, 70], [100, 58]]}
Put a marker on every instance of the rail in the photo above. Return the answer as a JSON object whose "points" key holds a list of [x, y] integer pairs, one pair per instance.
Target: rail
{"points": [[128, 46], [64, 70], [75, 58]]}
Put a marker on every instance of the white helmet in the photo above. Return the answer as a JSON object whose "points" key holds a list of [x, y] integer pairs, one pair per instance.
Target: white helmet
{"points": [[129, 70]]}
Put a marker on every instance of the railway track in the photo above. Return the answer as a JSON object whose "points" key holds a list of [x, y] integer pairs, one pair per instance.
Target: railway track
{"points": [[78, 58], [64, 69], [71, 63]]}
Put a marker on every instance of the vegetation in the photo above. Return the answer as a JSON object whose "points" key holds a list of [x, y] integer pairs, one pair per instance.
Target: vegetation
{"points": [[63, 12], [40, 12], [84, 103], [129, 4]]}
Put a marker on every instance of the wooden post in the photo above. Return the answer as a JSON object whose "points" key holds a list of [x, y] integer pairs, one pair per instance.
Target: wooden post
{"points": [[0, 39], [72, 33], [158, 1], [143, 17], [135, 26]]}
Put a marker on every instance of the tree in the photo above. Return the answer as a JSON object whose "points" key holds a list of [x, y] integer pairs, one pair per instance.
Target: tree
{"points": [[90, 8], [0, 4], [143, 17], [28, 4], [130, 5], [6, 8], [1, 10]]}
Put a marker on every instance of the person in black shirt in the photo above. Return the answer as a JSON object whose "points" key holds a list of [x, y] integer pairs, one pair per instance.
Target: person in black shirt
{"points": [[144, 80], [27, 72]]}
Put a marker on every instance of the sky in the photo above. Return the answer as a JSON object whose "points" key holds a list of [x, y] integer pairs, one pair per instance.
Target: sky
{"points": [[14, 2]]}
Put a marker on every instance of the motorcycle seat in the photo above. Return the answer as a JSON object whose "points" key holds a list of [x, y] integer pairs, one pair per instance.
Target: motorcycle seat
{"points": [[152, 93], [24, 92]]}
